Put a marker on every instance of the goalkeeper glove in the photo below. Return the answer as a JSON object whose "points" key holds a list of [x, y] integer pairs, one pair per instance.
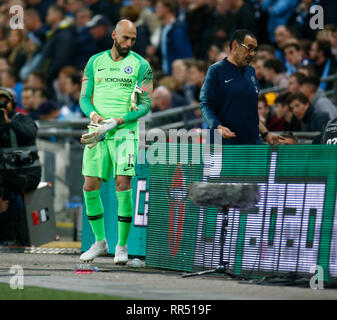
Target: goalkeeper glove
{"points": [[136, 90], [98, 133]]}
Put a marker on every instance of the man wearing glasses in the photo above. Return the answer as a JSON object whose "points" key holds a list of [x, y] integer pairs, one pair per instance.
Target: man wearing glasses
{"points": [[228, 98]]}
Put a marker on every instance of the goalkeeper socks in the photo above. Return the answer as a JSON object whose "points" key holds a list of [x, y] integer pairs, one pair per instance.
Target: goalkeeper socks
{"points": [[95, 212], [125, 212]]}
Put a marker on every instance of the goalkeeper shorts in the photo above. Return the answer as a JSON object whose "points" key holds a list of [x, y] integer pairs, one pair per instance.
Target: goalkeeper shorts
{"points": [[116, 155]]}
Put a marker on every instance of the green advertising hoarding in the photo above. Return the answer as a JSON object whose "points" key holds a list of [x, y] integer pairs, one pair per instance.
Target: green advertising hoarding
{"points": [[293, 228]]}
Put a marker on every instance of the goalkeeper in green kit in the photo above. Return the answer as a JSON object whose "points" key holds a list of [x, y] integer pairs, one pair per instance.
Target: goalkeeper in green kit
{"points": [[116, 91]]}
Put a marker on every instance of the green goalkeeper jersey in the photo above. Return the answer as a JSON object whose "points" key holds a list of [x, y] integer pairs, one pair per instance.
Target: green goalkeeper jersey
{"points": [[107, 86]]}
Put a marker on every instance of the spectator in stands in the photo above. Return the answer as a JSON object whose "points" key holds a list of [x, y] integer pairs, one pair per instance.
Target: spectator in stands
{"points": [[243, 16], [36, 80], [264, 111], [283, 116], [274, 73], [82, 17], [162, 99], [279, 12], [99, 29], [174, 41], [295, 81], [317, 97], [85, 45], [198, 18], [220, 26], [33, 50], [41, 6], [73, 6], [40, 95], [59, 47], [4, 65], [8, 79], [149, 19], [179, 71], [73, 89], [59, 85], [282, 35], [34, 24], [28, 103], [311, 120], [196, 73], [324, 62], [4, 48], [265, 51], [49, 110], [18, 52], [108, 8], [293, 55], [257, 63]]}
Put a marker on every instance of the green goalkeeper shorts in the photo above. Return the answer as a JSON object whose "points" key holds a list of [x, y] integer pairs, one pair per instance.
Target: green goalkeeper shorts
{"points": [[116, 154]]}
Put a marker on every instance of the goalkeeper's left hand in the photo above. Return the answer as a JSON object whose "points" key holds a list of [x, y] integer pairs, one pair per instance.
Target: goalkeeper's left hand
{"points": [[99, 131], [136, 90]]}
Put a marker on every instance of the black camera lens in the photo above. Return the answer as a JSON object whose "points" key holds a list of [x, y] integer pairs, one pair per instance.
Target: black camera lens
{"points": [[3, 104]]}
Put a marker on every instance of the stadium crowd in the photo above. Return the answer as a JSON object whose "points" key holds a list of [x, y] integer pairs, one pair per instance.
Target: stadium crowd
{"points": [[43, 62]]}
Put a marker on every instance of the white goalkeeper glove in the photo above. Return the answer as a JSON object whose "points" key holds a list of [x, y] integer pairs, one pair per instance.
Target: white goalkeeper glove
{"points": [[136, 90], [98, 133]]}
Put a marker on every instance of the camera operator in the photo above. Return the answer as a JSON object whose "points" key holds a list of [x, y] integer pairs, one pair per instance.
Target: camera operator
{"points": [[20, 170]]}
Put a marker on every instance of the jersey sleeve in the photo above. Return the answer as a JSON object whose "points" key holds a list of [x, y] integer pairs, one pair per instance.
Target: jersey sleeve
{"points": [[145, 81], [87, 89]]}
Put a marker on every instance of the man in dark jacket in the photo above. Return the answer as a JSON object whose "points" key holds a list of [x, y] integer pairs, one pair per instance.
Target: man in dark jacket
{"points": [[20, 170], [312, 120], [228, 97], [58, 49]]}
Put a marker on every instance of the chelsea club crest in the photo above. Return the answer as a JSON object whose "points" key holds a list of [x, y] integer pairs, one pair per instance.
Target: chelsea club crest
{"points": [[128, 70]]}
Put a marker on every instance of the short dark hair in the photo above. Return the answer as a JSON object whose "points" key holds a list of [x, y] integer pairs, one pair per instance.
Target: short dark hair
{"points": [[262, 98], [298, 96], [275, 64], [300, 77], [312, 81], [294, 45], [282, 99], [59, 9], [267, 47], [325, 46], [239, 35], [75, 78], [170, 4]]}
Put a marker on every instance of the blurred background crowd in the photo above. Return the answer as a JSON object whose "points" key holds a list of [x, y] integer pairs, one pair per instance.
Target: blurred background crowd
{"points": [[43, 63]]}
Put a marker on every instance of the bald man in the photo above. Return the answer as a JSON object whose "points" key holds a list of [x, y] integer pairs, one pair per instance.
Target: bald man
{"points": [[116, 91]]}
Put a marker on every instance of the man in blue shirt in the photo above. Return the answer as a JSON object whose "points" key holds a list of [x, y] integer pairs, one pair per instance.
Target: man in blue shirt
{"points": [[228, 98]]}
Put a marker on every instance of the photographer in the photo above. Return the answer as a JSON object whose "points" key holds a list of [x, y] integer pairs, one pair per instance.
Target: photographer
{"points": [[20, 170]]}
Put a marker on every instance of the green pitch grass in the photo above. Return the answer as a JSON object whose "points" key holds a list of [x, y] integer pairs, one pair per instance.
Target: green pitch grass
{"points": [[37, 293]]}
